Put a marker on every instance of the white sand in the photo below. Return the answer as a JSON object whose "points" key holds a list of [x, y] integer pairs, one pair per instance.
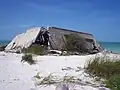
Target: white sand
{"points": [[15, 75]]}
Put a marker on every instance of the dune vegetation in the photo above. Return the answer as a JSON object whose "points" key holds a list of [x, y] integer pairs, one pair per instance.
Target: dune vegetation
{"points": [[107, 69]]}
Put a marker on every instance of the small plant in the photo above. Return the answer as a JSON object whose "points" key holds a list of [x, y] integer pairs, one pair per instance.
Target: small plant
{"points": [[35, 49], [114, 82], [2, 47], [103, 67], [28, 58], [37, 76]]}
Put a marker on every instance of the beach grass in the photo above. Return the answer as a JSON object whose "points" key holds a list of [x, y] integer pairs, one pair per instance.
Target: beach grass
{"points": [[28, 58], [113, 82], [34, 49], [103, 67], [107, 69]]}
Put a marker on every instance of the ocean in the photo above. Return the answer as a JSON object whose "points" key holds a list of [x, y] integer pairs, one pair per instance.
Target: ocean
{"points": [[4, 42], [111, 46]]}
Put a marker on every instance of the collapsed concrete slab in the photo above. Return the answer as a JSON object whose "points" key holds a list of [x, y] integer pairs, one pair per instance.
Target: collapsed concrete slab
{"points": [[23, 40], [52, 37]]}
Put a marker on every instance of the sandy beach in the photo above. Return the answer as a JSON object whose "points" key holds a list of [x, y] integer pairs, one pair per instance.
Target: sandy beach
{"points": [[15, 75]]}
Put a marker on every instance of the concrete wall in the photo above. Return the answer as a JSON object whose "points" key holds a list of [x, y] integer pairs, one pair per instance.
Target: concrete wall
{"points": [[57, 33], [61, 32]]}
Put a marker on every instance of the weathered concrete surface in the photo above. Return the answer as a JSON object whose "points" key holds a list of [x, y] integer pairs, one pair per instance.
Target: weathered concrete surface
{"points": [[23, 40], [56, 39], [57, 35]]}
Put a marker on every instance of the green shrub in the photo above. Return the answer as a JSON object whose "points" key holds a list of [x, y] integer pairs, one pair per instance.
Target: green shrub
{"points": [[103, 67], [35, 49], [75, 43], [2, 47], [113, 83], [28, 58]]}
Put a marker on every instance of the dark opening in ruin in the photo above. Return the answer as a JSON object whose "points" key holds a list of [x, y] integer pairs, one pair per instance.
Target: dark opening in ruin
{"points": [[43, 38]]}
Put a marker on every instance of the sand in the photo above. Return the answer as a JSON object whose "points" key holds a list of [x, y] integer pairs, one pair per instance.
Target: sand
{"points": [[15, 75]]}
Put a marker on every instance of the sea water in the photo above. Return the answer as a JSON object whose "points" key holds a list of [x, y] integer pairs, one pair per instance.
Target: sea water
{"points": [[4, 42], [111, 46]]}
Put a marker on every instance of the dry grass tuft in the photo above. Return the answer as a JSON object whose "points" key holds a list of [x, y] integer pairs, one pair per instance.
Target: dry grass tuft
{"points": [[103, 67]]}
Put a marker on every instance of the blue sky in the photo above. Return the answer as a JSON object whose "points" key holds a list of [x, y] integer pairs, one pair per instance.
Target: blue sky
{"points": [[99, 17]]}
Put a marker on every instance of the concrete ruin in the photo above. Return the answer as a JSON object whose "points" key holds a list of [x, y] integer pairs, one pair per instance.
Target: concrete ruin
{"points": [[55, 37]]}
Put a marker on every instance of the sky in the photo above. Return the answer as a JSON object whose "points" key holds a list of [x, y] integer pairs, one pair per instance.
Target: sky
{"points": [[98, 17]]}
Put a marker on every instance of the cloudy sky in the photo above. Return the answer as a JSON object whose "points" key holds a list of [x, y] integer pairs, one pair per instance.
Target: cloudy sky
{"points": [[98, 17]]}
